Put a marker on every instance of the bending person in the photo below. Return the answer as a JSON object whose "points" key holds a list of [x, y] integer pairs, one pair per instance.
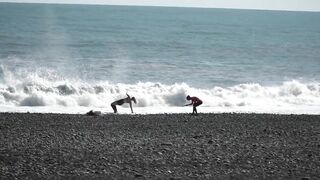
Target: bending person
{"points": [[195, 102], [122, 101]]}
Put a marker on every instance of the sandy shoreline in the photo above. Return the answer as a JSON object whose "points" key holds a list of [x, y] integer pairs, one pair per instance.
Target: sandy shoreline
{"points": [[175, 146]]}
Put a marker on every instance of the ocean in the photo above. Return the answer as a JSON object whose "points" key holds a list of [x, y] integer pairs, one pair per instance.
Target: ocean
{"points": [[76, 58]]}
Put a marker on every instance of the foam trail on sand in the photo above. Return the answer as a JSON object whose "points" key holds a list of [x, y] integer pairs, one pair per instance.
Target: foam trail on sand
{"points": [[46, 92]]}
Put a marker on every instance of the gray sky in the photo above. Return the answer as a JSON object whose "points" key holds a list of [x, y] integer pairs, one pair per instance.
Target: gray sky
{"points": [[294, 5]]}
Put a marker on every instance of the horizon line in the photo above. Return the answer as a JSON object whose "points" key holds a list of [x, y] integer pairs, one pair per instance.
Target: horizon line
{"points": [[170, 6]]}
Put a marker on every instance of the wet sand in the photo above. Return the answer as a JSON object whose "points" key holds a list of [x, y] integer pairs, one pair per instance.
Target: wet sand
{"points": [[166, 146]]}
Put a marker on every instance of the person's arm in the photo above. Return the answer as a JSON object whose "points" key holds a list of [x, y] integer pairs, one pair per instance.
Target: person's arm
{"points": [[189, 104], [130, 103], [130, 106]]}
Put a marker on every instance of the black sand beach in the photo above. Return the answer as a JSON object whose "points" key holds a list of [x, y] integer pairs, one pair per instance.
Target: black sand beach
{"points": [[173, 146]]}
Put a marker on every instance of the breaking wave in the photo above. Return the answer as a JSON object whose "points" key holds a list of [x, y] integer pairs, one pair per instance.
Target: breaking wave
{"points": [[46, 89]]}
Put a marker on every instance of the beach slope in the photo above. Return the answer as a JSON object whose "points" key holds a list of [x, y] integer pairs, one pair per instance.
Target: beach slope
{"points": [[170, 146]]}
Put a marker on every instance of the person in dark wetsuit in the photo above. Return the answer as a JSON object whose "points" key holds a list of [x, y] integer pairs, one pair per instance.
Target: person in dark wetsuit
{"points": [[122, 101], [195, 102]]}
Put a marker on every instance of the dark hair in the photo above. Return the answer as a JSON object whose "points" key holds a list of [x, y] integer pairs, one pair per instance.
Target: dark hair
{"points": [[134, 100], [188, 97]]}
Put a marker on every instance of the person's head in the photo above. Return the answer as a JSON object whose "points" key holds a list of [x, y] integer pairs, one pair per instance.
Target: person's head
{"points": [[134, 100], [188, 97]]}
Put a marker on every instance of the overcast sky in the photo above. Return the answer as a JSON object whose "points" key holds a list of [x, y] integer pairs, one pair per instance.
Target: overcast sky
{"points": [[295, 5]]}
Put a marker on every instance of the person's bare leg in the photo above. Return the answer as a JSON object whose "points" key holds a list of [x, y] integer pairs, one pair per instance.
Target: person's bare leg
{"points": [[194, 109], [114, 108]]}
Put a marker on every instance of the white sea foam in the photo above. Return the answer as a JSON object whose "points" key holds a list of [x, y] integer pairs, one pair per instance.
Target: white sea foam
{"points": [[43, 93]]}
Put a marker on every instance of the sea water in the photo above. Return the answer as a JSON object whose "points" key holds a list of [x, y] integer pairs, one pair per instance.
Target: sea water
{"points": [[76, 58]]}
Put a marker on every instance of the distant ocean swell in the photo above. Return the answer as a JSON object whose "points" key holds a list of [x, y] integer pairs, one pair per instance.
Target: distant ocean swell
{"points": [[36, 89]]}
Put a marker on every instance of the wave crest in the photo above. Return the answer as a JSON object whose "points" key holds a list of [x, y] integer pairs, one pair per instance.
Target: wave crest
{"points": [[35, 90]]}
